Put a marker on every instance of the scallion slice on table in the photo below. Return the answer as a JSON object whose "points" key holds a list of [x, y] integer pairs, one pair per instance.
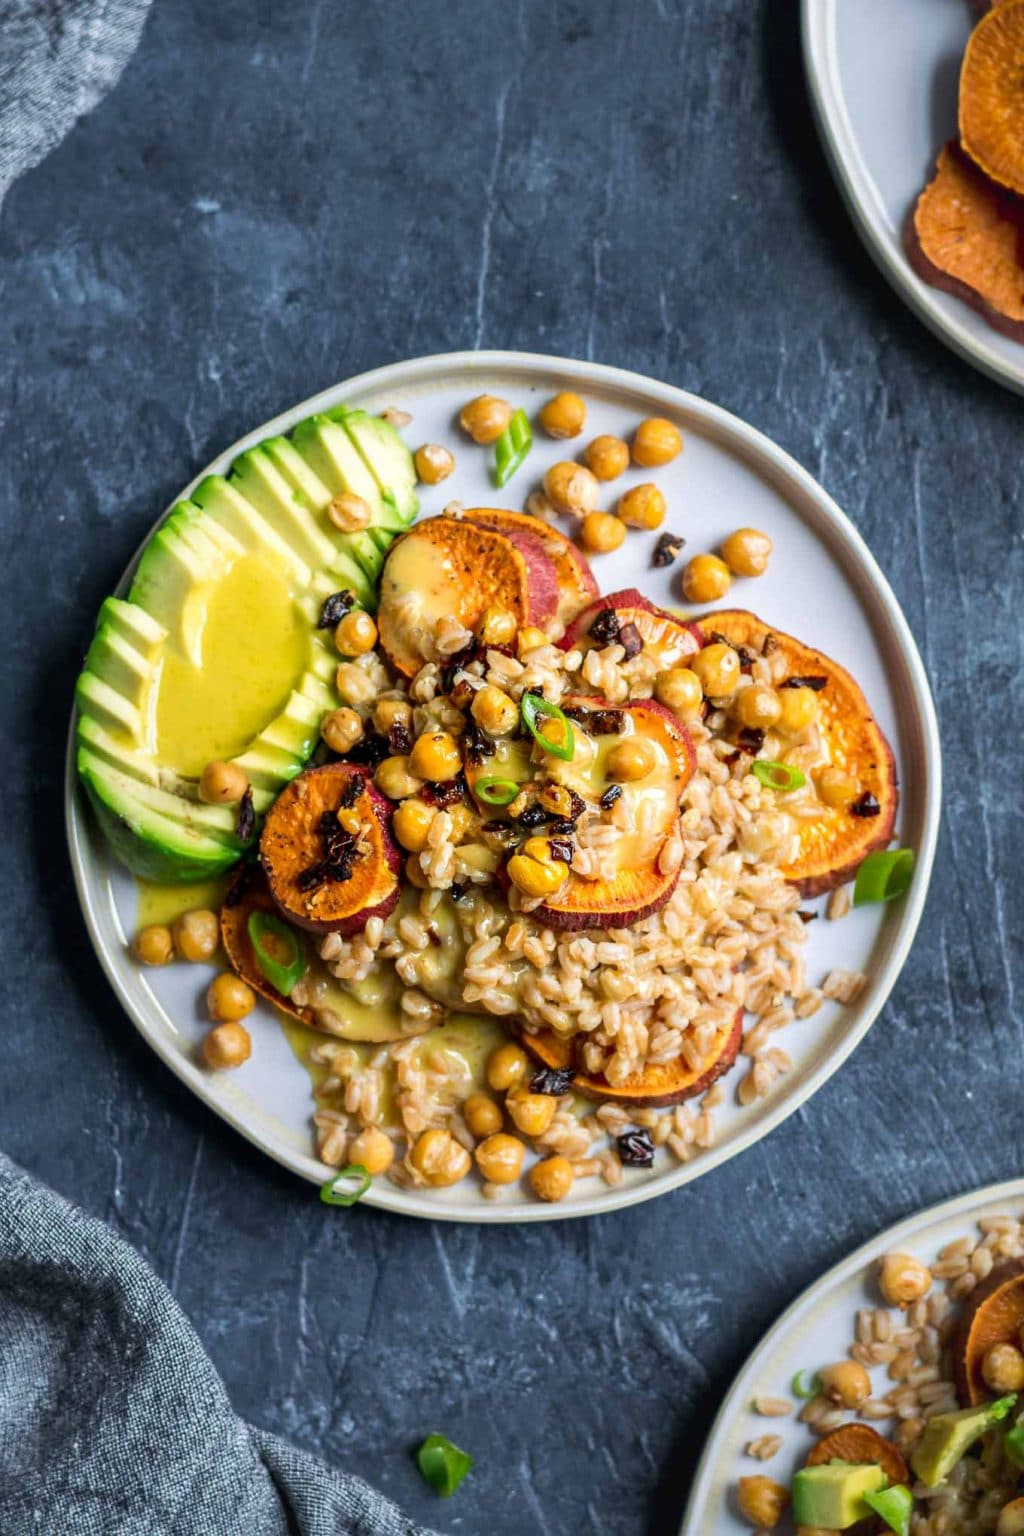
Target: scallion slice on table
{"points": [[512, 447], [803, 1387], [277, 950], [778, 776], [443, 1464], [534, 704], [496, 791], [346, 1186], [894, 1505], [883, 876]]}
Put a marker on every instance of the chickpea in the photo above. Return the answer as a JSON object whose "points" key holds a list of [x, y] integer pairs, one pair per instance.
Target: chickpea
{"points": [[228, 997], [341, 729], [552, 1179], [656, 441], [439, 1159], [718, 668], [507, 1067], [411, 824], [746, 552], [632, 759], [798, 709], [497, 627], [1002, 1368], [494, 711], [485, 418], [393, 779], [1011, 1519], [356, 633], [434, 463], [761, 1500], [642, 506], [757, 707], [226, 1045], [482, 1114], [531, 1113], [372, 1150], [600, 533], [349, 513], [571, 488], [563, 415], [435, 756], [680, 691], [530, 639], [705, 579], [354, 686], [607, 457], [500, 1158], [846, 1383], [902, 1279], [197, 935], [414, 873], [534, 878], [391, 712], [835, 787], [222, 784], [556, 799], [539, 848], [153, 945]]}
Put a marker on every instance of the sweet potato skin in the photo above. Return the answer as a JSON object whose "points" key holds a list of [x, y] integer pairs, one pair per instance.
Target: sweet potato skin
{"points": [[574, 579], [832, 845], [993, 1314], [250, 893], [291, 843], [656, 625], [991, 104], [860, 1443]]}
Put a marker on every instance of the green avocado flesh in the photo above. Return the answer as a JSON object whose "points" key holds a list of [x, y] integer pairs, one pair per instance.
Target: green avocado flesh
{"points": [[949, 1436], [215, 653], [831, 1497]]}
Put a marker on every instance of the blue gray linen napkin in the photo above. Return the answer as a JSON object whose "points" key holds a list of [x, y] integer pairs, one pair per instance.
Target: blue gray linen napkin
{"points": [[113, 1421]]}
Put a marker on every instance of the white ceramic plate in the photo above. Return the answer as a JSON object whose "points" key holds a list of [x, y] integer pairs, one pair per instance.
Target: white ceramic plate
{"points": [[817, 1328], [883, 76], [823, 584]]}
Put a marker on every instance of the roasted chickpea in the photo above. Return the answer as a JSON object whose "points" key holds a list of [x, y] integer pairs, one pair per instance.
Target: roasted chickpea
{"points": [[391, 712], [354, 686], [607, 457], [761, 1500], [500, 1158], [494, 711], [482, 1114], [435, 756], [601, 533], [485, 418], [414, 873], [552, 1179], [835, 787], [563, 415], [746, 552], [372, 1150], [757, 707], [556, 799], [1011, 1519], [539, 848], [497, 627], [434, 463], [356, 633], [197, 935], [529, 639], [718, 668], [845, 1383], [341, 729], [226, 1045], [534, 878], [902, 1279], [531, 1113], [222, 784], [705, 579], [1002, 1368], [228, 997], [439, 1159], [153, 945], [680, 691], [349, 513], [798, 709], [656, 441], [571, 488], [642, 506], [631, 759], [393, 779], [411, 824], [507, 1067]]}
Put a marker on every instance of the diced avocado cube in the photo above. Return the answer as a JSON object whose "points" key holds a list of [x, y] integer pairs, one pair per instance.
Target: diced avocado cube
{"points": [[949, 1436], [831, 1496]]}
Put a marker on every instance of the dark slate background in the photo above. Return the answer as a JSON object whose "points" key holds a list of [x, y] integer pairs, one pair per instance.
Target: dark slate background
{"points": [[275, 197]]}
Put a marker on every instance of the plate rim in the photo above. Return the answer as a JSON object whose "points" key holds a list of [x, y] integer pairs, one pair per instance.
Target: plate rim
{"points": [[755, 446], [916, 1223], [858, 191]]}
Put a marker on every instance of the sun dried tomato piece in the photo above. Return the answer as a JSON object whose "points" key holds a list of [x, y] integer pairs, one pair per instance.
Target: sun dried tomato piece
{"points": [[815, 682], [605, 628], [631, 640], [636, 1148], [866, 805], [245, 821], [555, 1081], [667, 549], [334, 609]]}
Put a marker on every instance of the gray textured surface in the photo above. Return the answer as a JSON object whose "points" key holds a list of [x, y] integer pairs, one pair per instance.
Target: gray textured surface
{"points": [[276, 197]]}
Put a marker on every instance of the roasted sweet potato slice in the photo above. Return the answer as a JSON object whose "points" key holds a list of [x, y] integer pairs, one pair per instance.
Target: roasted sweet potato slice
{"points": [[250, 893], [667, 1083], [456, 567], [992, 95], [576, 582], [859, 1443], [993, 1314], [965, 235], [833, 843], [669, 639], [316, 878]]}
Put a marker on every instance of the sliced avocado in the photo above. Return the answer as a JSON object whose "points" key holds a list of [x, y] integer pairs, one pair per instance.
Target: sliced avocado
{"points": [[831, 1496], [154, 846], [227, 506], [949, 1436], [329, 451], [171, 569], [260, 481], [389, 461]]}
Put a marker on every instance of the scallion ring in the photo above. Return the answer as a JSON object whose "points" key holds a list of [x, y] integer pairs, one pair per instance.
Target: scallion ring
{"points": [[779, 776], [512, 447], [346, 1186], [277, 949], [533, 704], [894, 1505], [496, 791], [804, 1389], [442, 1464], [883, 876]]}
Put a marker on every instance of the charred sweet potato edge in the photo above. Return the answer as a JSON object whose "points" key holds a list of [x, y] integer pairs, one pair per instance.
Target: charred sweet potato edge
{"points": [[250, 893], [576, 581], [859, 1443], [632, 607], [992, 1314]]}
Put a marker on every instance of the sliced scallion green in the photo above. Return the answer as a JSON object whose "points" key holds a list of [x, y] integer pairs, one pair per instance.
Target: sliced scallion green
{"points": [[512, 447], [883, 876], [442, 1464], [533, 704], [894, 1505], [277, 950], [780, 776], [496, 791], [801, 1387], [1013, 1445], [346, 1186]]}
